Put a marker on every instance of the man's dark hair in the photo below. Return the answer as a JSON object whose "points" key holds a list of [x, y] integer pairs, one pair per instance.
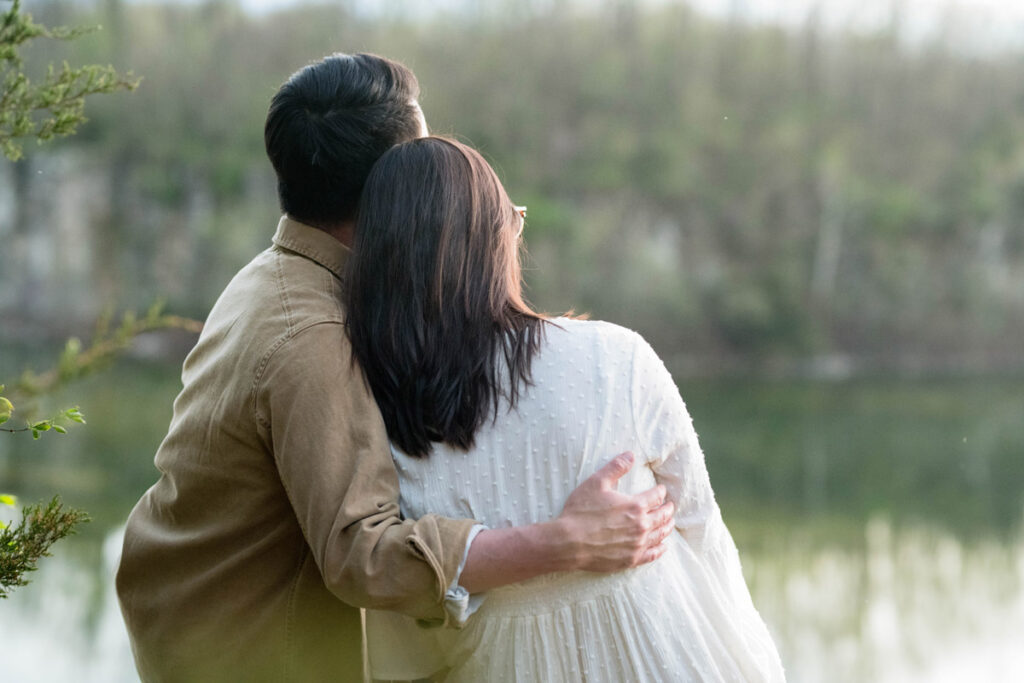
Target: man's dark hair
{"points": [[328, 125]]}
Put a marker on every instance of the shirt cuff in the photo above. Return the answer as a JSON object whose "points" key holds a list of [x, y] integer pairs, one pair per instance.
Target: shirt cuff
{"points": [[458, 603]]}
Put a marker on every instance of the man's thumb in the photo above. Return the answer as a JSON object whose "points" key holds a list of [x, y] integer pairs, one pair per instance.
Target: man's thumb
{"points": [[610, 474]]}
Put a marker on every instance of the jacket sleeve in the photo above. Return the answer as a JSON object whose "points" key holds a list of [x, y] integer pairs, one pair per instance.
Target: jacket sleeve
{"points": [[328, 440]]}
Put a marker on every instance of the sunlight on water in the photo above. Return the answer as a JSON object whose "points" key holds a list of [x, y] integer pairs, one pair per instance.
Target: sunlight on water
{"points": [[909, 605]]}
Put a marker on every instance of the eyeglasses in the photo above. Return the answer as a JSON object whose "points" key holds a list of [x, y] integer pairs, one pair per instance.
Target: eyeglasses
{"points": [[521, 210]]}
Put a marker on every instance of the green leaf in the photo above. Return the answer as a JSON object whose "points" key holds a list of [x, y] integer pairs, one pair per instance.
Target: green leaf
{"points": [[73, 346], [8, 499], [5, 409], [59, 429]]}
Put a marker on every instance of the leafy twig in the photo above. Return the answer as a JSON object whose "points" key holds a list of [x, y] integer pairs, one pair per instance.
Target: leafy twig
{"points": [[76, 362], [40, 426], [54, 107], [40, 527]]}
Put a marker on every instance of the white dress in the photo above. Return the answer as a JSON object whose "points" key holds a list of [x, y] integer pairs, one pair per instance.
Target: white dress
{"points": [[598, 390]]}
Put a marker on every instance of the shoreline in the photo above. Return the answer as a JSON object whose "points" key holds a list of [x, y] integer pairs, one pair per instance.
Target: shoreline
{"points": [[843, 367], [30, 339]]}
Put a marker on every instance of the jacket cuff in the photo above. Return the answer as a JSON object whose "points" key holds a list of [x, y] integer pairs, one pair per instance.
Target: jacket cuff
{"points": [[442, 543], [459, 605]]}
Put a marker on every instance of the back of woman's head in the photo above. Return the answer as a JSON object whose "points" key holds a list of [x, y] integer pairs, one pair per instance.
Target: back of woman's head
{"points": [[436, 314]]}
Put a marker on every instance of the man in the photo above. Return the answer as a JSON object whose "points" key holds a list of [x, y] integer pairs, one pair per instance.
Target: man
{"points": [[276, 513]]}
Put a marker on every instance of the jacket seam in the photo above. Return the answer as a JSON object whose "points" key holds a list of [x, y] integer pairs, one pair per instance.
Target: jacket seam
{"points": [[255, 396], [289, 335], [282, 291]]}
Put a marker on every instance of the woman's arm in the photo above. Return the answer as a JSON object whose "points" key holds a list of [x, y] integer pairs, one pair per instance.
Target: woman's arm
{"points": [[669, 443]]}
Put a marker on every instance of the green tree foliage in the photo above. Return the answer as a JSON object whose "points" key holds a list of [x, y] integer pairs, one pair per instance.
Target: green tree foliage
{"points": [[45, 110], [728, 188], [22, 545], [55, 106]]}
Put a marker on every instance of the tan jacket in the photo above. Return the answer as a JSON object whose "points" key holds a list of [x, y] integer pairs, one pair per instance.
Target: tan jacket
{"points": [[276, 508]]}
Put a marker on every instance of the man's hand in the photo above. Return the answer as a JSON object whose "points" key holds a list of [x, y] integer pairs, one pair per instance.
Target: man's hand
{"points": [[606, 530], [599, 530]]}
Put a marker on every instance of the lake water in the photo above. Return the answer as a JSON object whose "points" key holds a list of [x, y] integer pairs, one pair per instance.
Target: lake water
{"points": [[879, 522]]}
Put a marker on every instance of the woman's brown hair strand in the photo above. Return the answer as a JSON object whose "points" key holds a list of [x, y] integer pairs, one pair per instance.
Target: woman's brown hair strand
{"points": [[436, 314]]}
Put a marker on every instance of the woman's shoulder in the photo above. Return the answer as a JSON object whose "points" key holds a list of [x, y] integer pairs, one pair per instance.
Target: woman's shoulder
{"points": [[592, 337], [595, 329], [603, 343]]}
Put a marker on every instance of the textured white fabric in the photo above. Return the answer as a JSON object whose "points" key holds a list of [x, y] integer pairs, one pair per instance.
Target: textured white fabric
{"points": [[598, 390]]}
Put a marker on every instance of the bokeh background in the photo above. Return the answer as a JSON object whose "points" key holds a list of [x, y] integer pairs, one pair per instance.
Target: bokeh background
{"points": [[814, 211]]}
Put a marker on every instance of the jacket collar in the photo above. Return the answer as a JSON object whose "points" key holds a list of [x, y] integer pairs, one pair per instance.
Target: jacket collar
{"points": [[312, 243]]}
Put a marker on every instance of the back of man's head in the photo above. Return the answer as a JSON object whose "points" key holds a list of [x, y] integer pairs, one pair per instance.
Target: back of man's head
{"points": [[329, 123]]}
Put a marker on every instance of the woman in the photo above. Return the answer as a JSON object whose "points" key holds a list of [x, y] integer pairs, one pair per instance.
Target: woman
{"points": [[497, 413]]}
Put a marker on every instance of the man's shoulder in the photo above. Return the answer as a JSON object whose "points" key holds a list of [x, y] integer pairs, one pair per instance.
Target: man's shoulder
{"points": [[250, 285], [276, 300], [283, 290]]}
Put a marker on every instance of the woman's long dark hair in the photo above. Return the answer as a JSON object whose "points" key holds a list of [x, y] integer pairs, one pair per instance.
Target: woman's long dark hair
{"points": [[436, 313]]}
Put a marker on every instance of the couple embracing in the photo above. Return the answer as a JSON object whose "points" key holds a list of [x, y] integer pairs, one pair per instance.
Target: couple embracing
{"points": [[374, 417]]}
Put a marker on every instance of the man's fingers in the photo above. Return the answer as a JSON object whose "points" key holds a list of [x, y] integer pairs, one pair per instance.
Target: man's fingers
{"points": [[656, 545], [608, 476], [651, 554], [663, 515], [651, 499], [663, 528]]}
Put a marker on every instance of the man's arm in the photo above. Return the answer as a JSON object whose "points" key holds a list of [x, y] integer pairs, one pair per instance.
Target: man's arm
{"points": [[599, 530], [331, 452], [330, 446]]}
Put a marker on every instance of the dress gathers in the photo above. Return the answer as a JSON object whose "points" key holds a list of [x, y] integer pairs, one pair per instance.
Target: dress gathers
{"points": [[598, 389]]}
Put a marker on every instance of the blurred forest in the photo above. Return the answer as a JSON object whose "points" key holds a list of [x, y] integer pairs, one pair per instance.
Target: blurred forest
{"points": [[803, 199]]}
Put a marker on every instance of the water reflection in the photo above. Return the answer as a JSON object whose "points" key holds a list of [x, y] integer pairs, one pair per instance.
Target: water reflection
{"points": [[906, 605], [66, 624], [910, 605], [879, 522]]}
